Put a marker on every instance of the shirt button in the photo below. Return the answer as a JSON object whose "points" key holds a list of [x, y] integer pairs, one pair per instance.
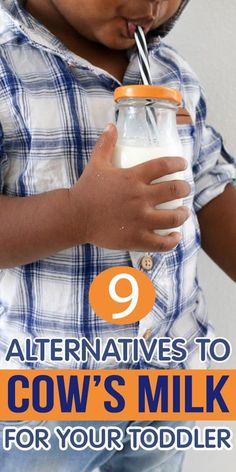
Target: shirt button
{"points": [[146, 263], [147, 334]]}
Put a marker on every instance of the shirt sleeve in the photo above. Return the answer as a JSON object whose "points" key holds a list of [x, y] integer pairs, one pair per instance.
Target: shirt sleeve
{"points": [[213, 166]]}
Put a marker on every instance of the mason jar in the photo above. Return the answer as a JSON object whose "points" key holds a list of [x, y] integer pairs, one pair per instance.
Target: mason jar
{"points": [[147, 129]]}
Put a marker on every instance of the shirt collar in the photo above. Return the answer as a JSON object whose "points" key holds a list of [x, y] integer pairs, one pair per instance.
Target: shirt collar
{"points": [[20, 22]]}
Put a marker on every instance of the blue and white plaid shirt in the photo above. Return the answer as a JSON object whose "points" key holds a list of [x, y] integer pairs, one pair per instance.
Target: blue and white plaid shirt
{"points": [[53, 107]]}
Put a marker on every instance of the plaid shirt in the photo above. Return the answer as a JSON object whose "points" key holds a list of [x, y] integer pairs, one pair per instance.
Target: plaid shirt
{"points": [[53, 107]]}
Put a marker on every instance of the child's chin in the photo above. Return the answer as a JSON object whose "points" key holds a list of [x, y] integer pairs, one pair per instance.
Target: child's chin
{"points": [[119, 43]]}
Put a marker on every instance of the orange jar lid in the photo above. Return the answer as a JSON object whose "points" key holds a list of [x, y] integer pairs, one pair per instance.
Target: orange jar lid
{"points": [[149, 92]]}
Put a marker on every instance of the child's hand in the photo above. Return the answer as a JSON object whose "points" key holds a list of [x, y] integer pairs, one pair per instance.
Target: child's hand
{"points": [[116, 207]]}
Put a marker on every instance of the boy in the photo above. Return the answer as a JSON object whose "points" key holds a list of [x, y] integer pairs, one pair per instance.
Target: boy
{"points": [[60, 63]]}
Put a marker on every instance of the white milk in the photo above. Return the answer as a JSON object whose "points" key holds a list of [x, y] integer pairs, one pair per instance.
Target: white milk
{"points": [[129, 156]]}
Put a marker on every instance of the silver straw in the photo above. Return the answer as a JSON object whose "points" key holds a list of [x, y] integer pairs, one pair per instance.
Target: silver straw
{"points": [[144, 65], [145, 72]]}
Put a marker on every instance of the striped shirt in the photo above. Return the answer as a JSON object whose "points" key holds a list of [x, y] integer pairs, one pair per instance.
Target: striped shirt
{"points": [[53, 107]]}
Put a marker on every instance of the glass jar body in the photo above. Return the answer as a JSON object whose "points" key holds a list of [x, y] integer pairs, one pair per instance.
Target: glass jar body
{"points": [[147, 130]]}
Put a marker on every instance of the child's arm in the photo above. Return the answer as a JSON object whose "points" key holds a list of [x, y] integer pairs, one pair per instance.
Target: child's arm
{"points": [[108, 207], [215, 197], [218, 225]]}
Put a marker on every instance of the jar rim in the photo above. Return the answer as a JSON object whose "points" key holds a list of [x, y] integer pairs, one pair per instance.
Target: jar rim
{"points": [[148, 92], [150, 102]]}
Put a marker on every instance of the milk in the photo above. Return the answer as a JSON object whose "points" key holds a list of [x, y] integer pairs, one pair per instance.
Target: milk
{"points": [[129, 156]]}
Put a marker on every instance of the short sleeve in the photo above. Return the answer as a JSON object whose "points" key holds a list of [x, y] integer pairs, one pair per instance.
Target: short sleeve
{"points": [[213, 166]]}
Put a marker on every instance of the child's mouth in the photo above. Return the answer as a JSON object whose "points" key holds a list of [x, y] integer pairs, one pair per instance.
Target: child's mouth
{"points": [[131, 29], [132, 26]]}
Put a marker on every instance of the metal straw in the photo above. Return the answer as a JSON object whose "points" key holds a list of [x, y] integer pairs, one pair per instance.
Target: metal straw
{"points": [[145, 72], [144, 65]]}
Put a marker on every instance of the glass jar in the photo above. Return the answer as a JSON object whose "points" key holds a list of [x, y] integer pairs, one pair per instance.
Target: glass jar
{"points": [[147, 129]]}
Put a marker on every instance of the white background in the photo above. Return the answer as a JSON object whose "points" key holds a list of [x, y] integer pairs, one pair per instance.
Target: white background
{"points": [[206, 36]]}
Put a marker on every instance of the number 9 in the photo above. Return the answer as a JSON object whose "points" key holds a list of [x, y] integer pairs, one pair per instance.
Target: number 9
{"points": [[133, 297]]}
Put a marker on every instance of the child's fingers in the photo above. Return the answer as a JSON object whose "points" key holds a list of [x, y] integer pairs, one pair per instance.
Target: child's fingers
{"points": [[164, 219], [153, 242], [160, 167], [167, 191], [104, 146]]}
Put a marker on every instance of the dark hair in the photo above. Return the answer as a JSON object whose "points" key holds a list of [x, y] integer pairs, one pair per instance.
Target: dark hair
{"points": [[164, 29]]}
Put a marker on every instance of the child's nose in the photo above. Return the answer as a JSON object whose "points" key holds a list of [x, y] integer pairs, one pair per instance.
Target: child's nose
{"points": [[153, 6]]}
